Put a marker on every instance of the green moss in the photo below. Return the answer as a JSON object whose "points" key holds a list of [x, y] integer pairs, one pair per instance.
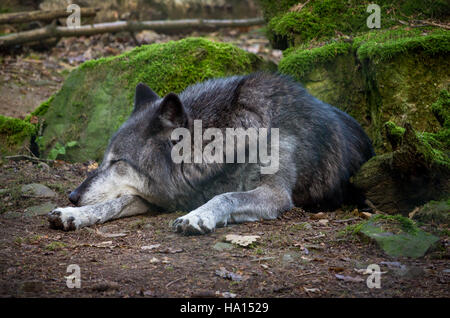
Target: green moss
{"points": [[97, 97], [441, 109], [433, 149], [323, 19], [298, 63], [13, 132], [42, 109], [394, 134], [55, 246], [406, 225], [398, 236], [401, 88], [436, 43], [437, 212]]}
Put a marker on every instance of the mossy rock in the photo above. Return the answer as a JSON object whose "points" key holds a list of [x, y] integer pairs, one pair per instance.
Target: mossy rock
{"points": [[434, 212], [397, 236], [15, 135], [97, 97], [379, 76], [417, 171], [291, 24]]}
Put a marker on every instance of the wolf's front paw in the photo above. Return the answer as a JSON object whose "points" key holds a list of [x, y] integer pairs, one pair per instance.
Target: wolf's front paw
{"points": [[194, 224], [63, 219]]}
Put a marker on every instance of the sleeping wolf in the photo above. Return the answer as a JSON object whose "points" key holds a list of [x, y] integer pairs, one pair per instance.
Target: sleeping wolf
{"points": [[318, 149]]}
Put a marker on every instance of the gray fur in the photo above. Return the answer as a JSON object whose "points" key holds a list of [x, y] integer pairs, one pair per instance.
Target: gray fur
{"points": [[321, 147]]}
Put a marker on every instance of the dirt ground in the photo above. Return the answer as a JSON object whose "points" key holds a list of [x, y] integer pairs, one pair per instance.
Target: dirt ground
{"points": [[295, 256]]}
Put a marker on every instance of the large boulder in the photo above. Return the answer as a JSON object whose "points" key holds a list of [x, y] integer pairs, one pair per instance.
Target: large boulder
{"points": [[292, 22], [377, 77], [97, 97]]}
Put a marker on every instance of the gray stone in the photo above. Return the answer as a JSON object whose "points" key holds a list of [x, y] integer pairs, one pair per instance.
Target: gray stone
{"points": [[398, 236], [221, 246], [41, 209], [38, 190]]}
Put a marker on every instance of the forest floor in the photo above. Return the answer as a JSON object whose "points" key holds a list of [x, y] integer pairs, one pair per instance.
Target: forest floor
{"points": [[297, 255]]}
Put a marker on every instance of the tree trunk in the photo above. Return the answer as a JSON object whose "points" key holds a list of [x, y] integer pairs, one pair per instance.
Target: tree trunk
{"points": [[120, 26], [42, 15]]}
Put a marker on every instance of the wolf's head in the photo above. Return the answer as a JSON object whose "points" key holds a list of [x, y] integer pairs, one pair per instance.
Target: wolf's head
{"points": [[138, 158]]}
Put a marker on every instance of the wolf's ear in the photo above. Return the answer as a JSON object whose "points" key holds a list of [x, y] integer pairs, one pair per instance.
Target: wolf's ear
{"points": [[172, 113], [143, 96]]}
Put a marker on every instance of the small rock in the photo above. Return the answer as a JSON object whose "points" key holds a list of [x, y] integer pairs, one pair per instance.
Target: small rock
{"points": [[38, 191], [221, 246], [41, 209], [147, 36], [398, 236], [323, 222]]}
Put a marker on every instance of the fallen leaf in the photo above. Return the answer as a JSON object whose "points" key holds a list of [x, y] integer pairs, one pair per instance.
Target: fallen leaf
{"points": [[366, 215], [150, 247], [336, 269], [154, 260], [311, 290], [110, 235], [318, 216], [242, 240], [349, 278]]}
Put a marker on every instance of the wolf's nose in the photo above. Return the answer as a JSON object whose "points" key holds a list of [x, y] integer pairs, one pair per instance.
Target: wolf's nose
{"points": [[74, 197]]}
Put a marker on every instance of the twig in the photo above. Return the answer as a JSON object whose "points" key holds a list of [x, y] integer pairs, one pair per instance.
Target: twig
{"points": [[262, 259], [42, 15], [346, 220], [52, 31], [174, 281], [304, 274], [25, 157], [444, 26]]}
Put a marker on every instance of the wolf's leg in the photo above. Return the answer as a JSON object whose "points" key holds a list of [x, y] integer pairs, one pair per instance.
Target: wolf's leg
{"points": [[72, 218], [263, 202]]}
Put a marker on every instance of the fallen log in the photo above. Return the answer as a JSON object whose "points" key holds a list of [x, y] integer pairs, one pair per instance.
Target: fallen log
{"points": [[43, 15], [52, 31]]}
